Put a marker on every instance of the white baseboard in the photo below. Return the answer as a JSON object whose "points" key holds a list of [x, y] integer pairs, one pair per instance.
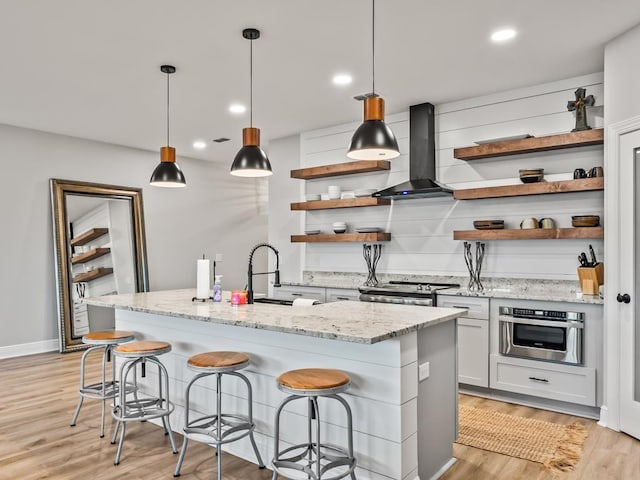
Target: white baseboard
{"points": [[444, 468], [29, 348]]}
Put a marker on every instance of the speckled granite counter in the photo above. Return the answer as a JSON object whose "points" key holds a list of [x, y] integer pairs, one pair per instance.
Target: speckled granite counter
{"points": [[357, 322], [527, 289]]}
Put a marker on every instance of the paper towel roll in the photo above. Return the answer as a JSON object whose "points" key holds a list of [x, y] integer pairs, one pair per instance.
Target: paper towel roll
{"points": [[203, 285], [304, 302]]}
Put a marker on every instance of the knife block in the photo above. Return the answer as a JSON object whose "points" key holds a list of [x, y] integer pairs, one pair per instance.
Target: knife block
{"points": [[591, 278]]}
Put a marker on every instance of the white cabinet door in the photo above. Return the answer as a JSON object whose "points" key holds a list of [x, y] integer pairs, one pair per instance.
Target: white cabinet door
{"points": [[340, 294], [291, 292], [473, 338], [473, 352]]}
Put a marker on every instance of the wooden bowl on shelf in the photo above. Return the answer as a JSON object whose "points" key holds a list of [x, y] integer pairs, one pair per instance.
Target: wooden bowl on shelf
{"points": [[585, 220], [531, 175]]}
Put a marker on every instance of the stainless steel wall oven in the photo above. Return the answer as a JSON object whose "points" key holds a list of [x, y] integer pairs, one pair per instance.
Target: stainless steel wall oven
{"points": [[549, 335]]}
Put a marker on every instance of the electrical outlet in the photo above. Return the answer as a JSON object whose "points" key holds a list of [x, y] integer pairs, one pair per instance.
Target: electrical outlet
{"points": [[218, 257], [423, 371]]}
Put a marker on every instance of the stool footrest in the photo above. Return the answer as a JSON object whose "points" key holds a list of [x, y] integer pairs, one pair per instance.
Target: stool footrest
{"points": [[331, 457], [142, 409], [231, 425]]}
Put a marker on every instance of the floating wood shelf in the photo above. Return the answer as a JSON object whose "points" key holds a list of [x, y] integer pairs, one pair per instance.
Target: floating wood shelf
{"points": [[93, 274], [347, 168], [87, 236], [345, 203], [90, 255], [343, 237], [529, 234], [530, 145], [539, 188]]}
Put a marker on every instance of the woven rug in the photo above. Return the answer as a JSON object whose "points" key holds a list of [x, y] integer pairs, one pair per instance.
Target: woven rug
{"points": [[557, 447]]}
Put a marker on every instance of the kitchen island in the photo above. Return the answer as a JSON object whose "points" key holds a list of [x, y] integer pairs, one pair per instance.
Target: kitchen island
{"points": [[403, 428]]}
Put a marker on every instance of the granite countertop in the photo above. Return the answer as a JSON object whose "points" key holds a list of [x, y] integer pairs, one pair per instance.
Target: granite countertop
{"points": [[521, 288], [358, 322]]}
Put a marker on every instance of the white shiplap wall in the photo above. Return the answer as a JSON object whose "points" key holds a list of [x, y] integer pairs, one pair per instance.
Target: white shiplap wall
{"points": [[422, 228]]}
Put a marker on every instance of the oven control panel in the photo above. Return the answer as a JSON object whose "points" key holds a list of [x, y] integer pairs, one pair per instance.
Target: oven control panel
{"points": [[541, 314]]}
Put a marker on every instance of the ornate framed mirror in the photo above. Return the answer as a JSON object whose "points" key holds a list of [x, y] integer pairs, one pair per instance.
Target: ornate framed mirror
{"points": [[100, 249]]}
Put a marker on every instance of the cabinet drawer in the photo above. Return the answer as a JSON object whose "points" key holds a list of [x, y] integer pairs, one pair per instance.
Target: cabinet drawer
{"points": [[340, 294], [293, 292], [567, 383], [478, 307]]}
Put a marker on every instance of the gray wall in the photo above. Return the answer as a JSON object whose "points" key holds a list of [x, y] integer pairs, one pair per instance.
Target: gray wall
{"points": [[622, 76], [216, 213]]}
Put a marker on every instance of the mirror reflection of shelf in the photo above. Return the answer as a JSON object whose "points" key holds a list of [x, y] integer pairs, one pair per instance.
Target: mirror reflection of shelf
{"points": [[90, 255], [87, 236], [93, 274]]}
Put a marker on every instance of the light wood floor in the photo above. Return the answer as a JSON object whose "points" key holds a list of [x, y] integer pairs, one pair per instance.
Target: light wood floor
{"points": [[38, 395]]}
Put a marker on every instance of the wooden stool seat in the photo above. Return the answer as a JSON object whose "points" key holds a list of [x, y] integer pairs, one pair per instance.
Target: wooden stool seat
{"points": [[307, 379], [215, 360], [142, 348], [108, 336]]}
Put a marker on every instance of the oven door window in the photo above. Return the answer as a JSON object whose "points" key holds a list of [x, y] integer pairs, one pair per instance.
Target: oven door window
{"points": [[550, 338]]}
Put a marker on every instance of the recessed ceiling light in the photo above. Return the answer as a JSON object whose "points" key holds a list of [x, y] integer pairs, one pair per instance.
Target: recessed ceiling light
{"points": [[342, 79], [503, 35], [237, 108], [199, 144]]}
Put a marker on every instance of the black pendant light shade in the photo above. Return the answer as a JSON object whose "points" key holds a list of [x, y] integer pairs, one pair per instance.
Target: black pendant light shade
{"points": [[373, 140], [168, 173], [251, 161]]}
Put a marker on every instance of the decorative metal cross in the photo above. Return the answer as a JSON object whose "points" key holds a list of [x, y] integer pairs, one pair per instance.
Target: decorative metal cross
{"points": [[579, 105]]}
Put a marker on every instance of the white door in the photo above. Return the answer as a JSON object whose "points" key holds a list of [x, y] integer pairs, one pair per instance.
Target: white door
{"points": [[629, 283]]}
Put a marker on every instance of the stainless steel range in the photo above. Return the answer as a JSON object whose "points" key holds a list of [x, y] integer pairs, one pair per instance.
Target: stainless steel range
{"points": [[405, 293]]}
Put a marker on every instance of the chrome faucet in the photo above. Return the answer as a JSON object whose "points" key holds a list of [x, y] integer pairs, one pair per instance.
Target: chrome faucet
{"points": [[250, 274]]}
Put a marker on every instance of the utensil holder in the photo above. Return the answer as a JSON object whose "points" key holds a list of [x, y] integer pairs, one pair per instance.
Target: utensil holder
{"points": [[591, 278]]}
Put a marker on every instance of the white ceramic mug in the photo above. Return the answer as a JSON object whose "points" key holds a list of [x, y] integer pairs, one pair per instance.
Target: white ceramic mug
{"points": [[334, 192], [529, 223]]}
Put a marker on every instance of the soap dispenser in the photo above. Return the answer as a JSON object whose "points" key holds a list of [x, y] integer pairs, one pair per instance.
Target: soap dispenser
{"points": [[217, 288]]}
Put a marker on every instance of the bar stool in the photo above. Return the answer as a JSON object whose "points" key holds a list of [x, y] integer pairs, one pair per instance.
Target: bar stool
{"points": [[314, 458], [219, 428], [147, 407], [104, 340]]}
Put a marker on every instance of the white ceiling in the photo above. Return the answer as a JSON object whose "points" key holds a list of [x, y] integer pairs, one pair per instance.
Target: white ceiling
{"points": [[90, 68]]}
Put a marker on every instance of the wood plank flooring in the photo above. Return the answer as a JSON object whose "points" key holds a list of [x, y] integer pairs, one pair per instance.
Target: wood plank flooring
{"points": [[39, 394]]}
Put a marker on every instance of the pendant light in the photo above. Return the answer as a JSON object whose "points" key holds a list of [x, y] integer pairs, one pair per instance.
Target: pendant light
{"points": [[251, 161], [373, 140], [168, 173]]}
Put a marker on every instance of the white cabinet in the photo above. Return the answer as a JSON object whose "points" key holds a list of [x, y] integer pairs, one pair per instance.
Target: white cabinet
{"points": [[291, 292], [473, 338], [568, 383], [340, 294]]}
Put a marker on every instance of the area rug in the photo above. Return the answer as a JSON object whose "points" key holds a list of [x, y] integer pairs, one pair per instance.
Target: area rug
{"points": [[557, 447]]}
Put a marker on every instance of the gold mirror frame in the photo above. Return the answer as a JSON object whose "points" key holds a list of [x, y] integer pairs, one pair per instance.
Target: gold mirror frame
{"points": [[61, 237]]}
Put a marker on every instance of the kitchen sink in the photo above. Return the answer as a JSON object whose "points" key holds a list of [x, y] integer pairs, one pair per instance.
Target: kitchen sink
{"points": [[273, 301]]}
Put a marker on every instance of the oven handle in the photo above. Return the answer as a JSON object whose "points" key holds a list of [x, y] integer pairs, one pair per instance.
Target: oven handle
{"points": [[542, 323]]}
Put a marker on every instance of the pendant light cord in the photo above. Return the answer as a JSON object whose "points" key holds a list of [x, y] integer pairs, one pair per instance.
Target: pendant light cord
{"points": [[167, 109], [251, 84], [373, 47]]}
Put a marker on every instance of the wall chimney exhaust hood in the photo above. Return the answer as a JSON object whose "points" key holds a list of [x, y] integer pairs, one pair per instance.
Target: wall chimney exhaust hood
{"points": [[422, 159]]}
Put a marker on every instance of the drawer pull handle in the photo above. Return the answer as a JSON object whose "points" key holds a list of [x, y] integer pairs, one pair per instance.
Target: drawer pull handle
{"points": [[536, 379], [296, 294], [342, 298], [460, 306]]}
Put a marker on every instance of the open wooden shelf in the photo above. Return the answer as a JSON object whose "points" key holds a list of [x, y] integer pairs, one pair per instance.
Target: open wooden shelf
{"points": [[343, 237], [93, 274], [530, 145], [347, 168], [345, 203], [539, 188], [87, 236], [529, 234], [90, 255]]}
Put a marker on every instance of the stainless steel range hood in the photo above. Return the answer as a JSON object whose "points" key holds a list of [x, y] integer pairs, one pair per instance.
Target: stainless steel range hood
{"points": [[422, 159]]}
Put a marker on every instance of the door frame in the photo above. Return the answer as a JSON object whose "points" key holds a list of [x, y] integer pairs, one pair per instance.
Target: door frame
{"points": [[610, 410]]}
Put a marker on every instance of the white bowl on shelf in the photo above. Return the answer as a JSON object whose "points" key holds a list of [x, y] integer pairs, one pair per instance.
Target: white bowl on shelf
{"points": [[312, 197]]}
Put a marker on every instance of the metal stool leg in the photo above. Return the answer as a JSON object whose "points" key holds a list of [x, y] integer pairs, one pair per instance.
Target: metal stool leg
{"points": [[185, 441]]}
